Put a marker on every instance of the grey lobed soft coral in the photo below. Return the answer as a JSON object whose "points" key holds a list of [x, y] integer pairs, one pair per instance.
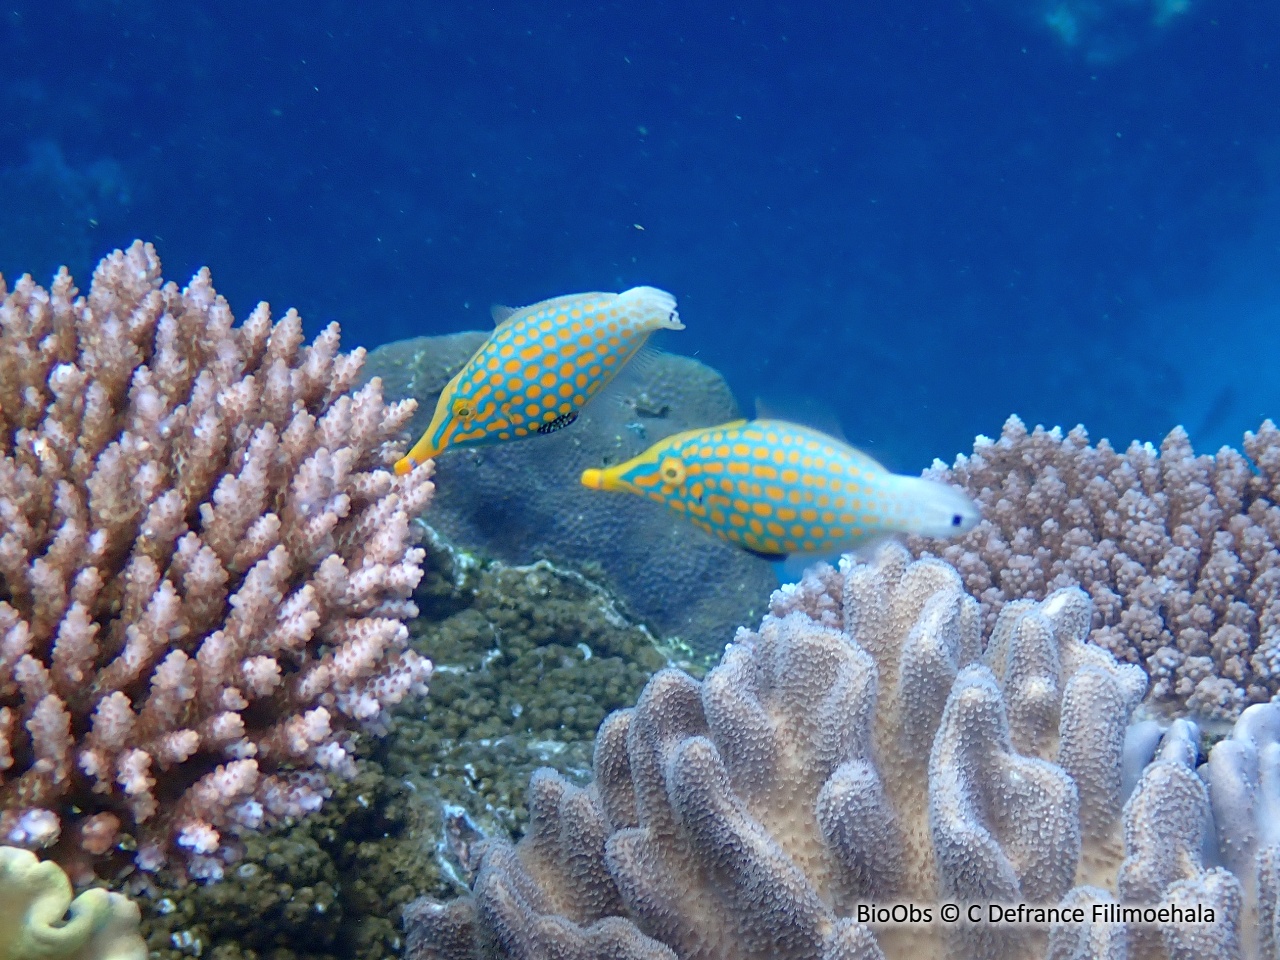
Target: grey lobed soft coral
{"points": [[865, 747]]}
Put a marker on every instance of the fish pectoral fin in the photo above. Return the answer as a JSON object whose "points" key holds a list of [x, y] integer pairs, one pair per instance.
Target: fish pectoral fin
{"points": [[630, 387], [771, 557], [645, 359], [865, 548]]}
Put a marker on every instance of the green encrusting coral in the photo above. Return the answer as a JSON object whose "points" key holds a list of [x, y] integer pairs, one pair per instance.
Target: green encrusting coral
{"points": [[524, 676], [326, 887], [528, 660]]}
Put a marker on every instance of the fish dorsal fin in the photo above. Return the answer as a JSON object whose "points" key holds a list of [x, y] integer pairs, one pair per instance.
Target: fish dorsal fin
{"points": [[863, 461], [802, 411], [505, 315], [501, 314]]}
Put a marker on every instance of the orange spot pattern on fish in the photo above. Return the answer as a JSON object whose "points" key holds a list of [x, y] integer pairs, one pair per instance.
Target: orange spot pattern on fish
{"points": [[833, 495], [541, 366]]}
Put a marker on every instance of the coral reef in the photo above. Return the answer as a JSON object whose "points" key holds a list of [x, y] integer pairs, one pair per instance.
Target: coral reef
{"points": [[526, 672], [523, 502], [528, 660], [204, 566], [35, 897], [862, 750], [1180, 553], [327, 886]]}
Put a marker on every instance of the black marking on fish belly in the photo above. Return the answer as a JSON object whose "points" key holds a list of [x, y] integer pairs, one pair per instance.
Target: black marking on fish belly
{"points": [[559, 423], [772, 557]]}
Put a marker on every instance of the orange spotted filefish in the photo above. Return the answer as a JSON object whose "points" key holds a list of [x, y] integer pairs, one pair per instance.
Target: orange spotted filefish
{"points": [[540, 366], [777, 488]]}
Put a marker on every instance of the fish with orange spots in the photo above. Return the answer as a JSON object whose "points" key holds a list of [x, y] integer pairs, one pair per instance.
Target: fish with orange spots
{"points": [[776, 489], [540, 366]]}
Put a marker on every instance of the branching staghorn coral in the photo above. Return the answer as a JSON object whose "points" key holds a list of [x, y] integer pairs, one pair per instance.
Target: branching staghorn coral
{"points": [[864, 748], [204, 565], [1180, 553]]}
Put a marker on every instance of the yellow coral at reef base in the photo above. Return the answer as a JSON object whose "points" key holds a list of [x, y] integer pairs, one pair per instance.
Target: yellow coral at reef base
{"points": [[34, 898]]}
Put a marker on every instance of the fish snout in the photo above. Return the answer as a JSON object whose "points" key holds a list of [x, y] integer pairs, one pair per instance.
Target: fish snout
{"points": [[940, 510], [961, 514], [658, 305], [608, 479]]}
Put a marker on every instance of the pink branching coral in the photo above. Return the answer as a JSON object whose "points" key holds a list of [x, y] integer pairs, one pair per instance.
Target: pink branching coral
{"points": [[205, 567], [1180, 553]]}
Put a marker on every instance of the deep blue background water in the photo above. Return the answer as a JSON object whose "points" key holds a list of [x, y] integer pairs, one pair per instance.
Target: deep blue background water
{"points": [[927, 215]]}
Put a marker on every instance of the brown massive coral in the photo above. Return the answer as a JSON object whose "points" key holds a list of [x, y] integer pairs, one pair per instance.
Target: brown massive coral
{"points": [[860, 750], [204, 566], [1180, 553]]}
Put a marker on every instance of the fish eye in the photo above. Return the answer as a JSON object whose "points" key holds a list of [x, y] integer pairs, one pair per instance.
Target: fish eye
{"points": [[956, 519], [462, 409], [671, 471]]}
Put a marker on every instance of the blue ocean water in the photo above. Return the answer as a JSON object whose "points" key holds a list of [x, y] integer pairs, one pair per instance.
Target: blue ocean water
{"points": [[925, 215]]}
